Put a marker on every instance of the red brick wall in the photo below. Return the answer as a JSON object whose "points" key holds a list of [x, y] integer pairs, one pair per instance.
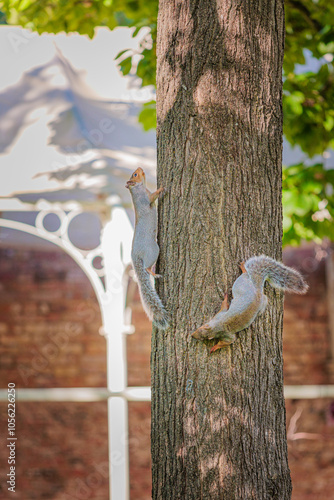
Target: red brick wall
{"points": [[49, 322], [306, 339], [61, 451], [49, 326], [140, 450], [307, 361], [311, 448], [138, 356]]}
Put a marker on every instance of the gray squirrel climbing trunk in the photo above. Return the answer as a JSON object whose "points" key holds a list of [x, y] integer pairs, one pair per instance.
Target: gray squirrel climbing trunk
{"points": [[218, 421]]}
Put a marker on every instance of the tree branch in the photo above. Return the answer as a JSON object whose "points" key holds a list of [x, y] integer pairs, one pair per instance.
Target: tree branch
{"points": [[306, 14]]}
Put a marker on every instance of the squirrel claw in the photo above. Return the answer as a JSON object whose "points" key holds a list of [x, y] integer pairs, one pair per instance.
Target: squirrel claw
{"points": [[224, 306], [215, 348], [242, 267], [149, 270], [219, 345]]}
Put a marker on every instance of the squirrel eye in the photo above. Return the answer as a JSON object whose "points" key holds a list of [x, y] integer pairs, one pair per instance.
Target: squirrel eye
{"points": [[135, 175]]}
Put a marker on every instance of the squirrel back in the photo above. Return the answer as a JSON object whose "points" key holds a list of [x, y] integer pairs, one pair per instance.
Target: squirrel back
{"points": [[144, 243]]}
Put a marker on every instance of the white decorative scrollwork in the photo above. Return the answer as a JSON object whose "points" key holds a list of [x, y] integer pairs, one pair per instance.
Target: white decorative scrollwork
{"points": [[60, 237]]}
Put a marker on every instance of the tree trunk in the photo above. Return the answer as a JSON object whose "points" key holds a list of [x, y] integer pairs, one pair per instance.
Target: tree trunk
{"points": [[218, 421]]}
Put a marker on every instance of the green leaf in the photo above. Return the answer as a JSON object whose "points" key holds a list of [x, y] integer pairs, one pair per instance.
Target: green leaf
{"points": [[121, 53], [329, 123], [148, 116], [126, 65]]}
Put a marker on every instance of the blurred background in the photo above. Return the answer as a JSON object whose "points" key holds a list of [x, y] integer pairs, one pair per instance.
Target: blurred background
{"points": [[77, 109]]}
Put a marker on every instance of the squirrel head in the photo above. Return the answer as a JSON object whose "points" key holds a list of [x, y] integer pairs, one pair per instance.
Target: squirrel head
{"points": [[137, 177], [202, 333]]}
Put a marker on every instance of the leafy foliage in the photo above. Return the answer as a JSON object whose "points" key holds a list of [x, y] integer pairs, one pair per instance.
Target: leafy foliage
{"points": [[308, 201], [308, 105], [309, 110], [308, 99], [309, 96], [82, 16]]}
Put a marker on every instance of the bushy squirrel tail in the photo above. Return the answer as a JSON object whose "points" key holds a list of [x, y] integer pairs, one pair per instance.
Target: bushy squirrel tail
{"points": [[152, 304], [264, 268]]}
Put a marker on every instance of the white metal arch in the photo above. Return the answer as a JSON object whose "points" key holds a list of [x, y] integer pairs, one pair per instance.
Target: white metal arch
{"points": [[61, 239]]}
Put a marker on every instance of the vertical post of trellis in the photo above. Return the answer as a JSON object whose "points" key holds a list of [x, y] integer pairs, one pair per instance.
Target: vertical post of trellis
{"points": [[116, 243]]}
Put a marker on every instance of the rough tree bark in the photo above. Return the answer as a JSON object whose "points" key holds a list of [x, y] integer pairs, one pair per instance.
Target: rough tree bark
{"points": [[218, 421]]}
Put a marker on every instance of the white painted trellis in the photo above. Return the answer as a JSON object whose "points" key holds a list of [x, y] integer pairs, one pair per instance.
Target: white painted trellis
{"points": [[114, 250]]}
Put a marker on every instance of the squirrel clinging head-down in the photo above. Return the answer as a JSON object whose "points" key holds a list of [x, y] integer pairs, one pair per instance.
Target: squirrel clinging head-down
{"points": [[249, 299]]}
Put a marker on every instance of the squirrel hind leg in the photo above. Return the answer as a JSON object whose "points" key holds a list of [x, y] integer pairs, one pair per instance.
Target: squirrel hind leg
{"points": [[242, 267], [264, 303], [225, 304]]}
